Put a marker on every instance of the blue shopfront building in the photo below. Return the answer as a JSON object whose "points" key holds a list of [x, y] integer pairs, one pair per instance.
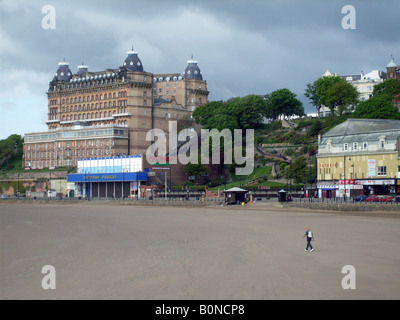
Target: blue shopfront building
{"points": [[90, 182]]}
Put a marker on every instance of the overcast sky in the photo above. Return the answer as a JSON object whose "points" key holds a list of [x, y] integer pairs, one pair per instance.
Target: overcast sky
{"points": [[242, 47]]}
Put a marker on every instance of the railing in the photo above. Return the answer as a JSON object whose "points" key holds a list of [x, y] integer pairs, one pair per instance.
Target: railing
{"points": [[344, 200]]}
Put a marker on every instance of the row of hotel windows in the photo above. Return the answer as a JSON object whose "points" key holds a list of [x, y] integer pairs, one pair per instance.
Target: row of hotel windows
{"points": [[123, 103], [68, 144], [363, 146], [93, 115], [381, 171], [121, 94], [120, 103], [68, 153]]}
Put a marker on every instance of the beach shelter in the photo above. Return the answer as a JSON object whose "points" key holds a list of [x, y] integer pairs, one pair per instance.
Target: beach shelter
{"points": [[235, 195], [282, 196]]}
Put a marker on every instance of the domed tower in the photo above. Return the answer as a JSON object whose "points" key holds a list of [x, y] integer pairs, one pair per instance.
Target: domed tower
{"points": [[132, 62], [196, 88], [63, 72], [82, 70], [391, 68], [192, 70]]}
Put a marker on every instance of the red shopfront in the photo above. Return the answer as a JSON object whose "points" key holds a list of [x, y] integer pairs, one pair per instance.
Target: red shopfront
{"points": [[350, 188], [379, 186]]}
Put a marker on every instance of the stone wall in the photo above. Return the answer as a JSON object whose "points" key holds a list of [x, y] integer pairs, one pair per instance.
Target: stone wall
{"points": [[345, 206]]}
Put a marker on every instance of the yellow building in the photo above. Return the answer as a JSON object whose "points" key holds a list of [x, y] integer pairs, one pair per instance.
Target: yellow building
{"points": [[360, 156]]}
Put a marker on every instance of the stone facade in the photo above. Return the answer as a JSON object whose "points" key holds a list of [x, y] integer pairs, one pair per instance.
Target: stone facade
{"points": [[110, 112]]}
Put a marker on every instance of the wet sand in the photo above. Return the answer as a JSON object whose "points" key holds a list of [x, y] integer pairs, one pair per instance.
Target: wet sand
{"points": [[103, 251]]}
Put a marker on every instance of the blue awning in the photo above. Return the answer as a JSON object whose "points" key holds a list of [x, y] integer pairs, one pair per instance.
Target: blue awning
{"points": [[107, 177]]}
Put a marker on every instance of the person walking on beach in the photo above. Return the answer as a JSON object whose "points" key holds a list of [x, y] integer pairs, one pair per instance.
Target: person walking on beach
{"points": [[310, 237]]}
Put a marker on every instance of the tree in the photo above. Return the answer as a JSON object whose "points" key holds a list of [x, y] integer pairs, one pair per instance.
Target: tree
{"points": [[341, 95], [380, 106], [311, 94], [333, 92], [315, 128], [248, 111], [236, 113], [390, 87], [192, 169], [283, 102], [297, 170], [202, 114], [10, 148]]}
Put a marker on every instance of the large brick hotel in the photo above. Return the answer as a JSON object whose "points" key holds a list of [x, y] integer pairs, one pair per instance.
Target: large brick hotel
{"points": [[108, 113]]}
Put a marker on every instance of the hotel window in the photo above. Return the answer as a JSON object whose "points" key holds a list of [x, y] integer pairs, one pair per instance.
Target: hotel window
{"points": [[345, 147], [382, 171], [365, 145], [355, 146]]}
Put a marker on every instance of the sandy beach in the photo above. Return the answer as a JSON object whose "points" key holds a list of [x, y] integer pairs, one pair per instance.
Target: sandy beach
{"points": [[103, 251]]}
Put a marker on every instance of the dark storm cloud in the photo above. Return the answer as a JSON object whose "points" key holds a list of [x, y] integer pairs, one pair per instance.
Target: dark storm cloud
{"points": [[243, 47]]}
